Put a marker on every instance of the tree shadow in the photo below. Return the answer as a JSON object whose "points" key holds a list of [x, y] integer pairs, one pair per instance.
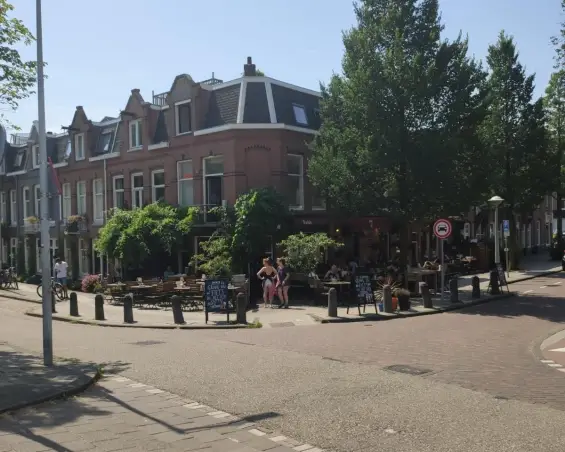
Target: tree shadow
{"points": [[539, 306]]}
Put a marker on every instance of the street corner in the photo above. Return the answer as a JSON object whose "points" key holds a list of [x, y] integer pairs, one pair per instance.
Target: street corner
{"points": [[553, 352], [27, 382]]}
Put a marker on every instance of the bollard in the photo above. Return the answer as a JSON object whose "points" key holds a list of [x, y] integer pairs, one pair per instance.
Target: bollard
{"points": [[53, 302], [494, 288], [454, 290], [178, 316], [332, 302], [426, 296], [99, 307], [387, 299], [476, 285], [73, 304], [128, 308], [241, 308]]}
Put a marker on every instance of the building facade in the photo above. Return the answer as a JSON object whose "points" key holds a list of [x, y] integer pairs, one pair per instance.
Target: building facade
{"points": [[198, 144]]}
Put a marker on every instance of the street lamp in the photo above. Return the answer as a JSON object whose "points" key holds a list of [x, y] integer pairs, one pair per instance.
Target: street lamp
{"points": [[494, 202]]}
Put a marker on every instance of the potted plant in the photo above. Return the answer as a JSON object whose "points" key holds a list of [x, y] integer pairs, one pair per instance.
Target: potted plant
{"points": [[379, 292], [403, 296], [73, 222]]}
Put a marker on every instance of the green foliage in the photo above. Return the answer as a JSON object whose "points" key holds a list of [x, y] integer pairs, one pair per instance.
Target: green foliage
{"points": [[215, 260], [134, 235], [304, 252], [18, 76], [399, 126]]}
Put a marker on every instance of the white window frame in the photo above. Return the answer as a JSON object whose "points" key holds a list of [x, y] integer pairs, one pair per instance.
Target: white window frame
{"points": [[181, 179], [177, 123], [301, 180], [3, 207], [134, 190], [155, 187], [4, 255], [115, 191], [25, 213], [300, 115], [13, 208], [79, 149], [14, 251], [137, 125], [37, 200], [26, 254], [35, 156], [66, 200], [19, 158], [207, 175], [82, 256], [81, 198], [97, 217], [529, 236]]}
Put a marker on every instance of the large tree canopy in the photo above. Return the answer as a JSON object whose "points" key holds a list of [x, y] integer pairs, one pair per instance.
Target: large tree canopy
{"points": [[399, 125], [17, 77]]}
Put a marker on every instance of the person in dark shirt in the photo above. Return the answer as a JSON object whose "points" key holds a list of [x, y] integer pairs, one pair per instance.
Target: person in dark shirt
{"points": [[268, 275], [282, 283]]}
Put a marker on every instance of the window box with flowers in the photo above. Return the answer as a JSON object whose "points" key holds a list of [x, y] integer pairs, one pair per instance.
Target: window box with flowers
{"points": [[32, 220], [74, 223]]}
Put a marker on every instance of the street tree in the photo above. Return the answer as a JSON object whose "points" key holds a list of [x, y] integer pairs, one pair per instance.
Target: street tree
{"points": [[514, 132], [17, 76], [399, 133]]}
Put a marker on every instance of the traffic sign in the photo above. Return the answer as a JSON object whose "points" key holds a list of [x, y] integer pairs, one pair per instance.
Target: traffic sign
{"points": [[506, 228], [442, 228]]}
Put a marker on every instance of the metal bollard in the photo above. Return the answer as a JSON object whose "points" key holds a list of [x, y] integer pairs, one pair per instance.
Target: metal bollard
{"points": [[53, 302], [454, 290], [178, 316], [241, 308], [426, 296], [73, 303], [494, 287], [387, 299], [476, 287], [99, 307], [332, 302], [128, 308]]}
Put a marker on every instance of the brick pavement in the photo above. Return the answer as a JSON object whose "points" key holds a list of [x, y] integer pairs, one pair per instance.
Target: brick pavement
{"points": [[24, 380], [121, 414], [487, 348]]}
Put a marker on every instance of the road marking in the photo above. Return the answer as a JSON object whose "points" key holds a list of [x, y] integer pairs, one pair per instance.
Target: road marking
{"points": [[528, 291], [558, 350], [542, 287], [546, 361], [561, 370], [555, 365]]}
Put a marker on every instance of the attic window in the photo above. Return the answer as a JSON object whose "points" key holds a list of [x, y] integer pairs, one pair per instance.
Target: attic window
{"points": [[105, 139], [19, 158], [35, 156], [182, 117], [68, 149], [300, 114]]}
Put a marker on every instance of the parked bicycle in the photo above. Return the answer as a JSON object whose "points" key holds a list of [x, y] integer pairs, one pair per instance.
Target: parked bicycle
{"points": [[9, 278], [56, 289]]}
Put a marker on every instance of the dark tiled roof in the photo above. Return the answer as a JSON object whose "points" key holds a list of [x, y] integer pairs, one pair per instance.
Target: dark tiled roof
{"points": [[222, 106], [161, 134], [285, 98], [256, 107]]}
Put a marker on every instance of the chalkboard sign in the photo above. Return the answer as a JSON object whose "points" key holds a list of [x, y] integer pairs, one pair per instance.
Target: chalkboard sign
{"points": [[216, 294], [363, 288]]}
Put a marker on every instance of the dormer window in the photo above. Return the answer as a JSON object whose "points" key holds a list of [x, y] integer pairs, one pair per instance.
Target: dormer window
{"points": [[68, 149], [105, 139], [135, 134], [19, 159], [35, 155], [300, 114], [183, 119], [79, 146]]}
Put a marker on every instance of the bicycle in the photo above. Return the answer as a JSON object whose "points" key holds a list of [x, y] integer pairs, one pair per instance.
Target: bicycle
{"points": [[56, 289], [10, 279]]}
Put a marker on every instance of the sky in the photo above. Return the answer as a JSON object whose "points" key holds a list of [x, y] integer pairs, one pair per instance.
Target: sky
{"points": [[97, 52]]}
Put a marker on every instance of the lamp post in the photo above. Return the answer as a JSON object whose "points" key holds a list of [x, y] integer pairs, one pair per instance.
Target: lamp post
{"points": [[44, 206], [494, 202]]}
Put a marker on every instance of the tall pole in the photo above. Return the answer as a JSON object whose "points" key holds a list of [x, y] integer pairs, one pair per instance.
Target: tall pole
{"points": [[496, 244], [44, 186]]}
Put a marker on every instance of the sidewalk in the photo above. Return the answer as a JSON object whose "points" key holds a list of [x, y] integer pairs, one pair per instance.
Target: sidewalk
{"points": [[120, 414], [272, 318], [24, 381]]}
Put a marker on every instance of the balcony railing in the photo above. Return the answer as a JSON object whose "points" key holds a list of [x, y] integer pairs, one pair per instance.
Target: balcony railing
{"points": [[160, 99], [76, 224], [211, 81]]}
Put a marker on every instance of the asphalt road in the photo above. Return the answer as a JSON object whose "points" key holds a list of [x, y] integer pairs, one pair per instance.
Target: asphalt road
{"points": [[481, 386]]}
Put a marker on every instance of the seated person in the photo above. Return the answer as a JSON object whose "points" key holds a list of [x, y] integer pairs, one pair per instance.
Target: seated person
{"points": [[168, 273], [334, 273]]}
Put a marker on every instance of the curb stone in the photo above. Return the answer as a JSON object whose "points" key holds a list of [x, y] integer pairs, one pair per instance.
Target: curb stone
{"points": [[57, 395], [137, 325]]}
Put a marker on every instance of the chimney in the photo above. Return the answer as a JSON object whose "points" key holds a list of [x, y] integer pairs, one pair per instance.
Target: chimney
{"points": [[249, 69], [135, 91]]}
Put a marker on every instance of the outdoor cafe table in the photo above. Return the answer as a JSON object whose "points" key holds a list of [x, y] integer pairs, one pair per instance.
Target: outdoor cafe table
{"points": [[422, 274], [339, 285]]}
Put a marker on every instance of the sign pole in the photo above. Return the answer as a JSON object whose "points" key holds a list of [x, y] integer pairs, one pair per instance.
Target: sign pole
{"points": [[442, 268], [506, 253]]}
